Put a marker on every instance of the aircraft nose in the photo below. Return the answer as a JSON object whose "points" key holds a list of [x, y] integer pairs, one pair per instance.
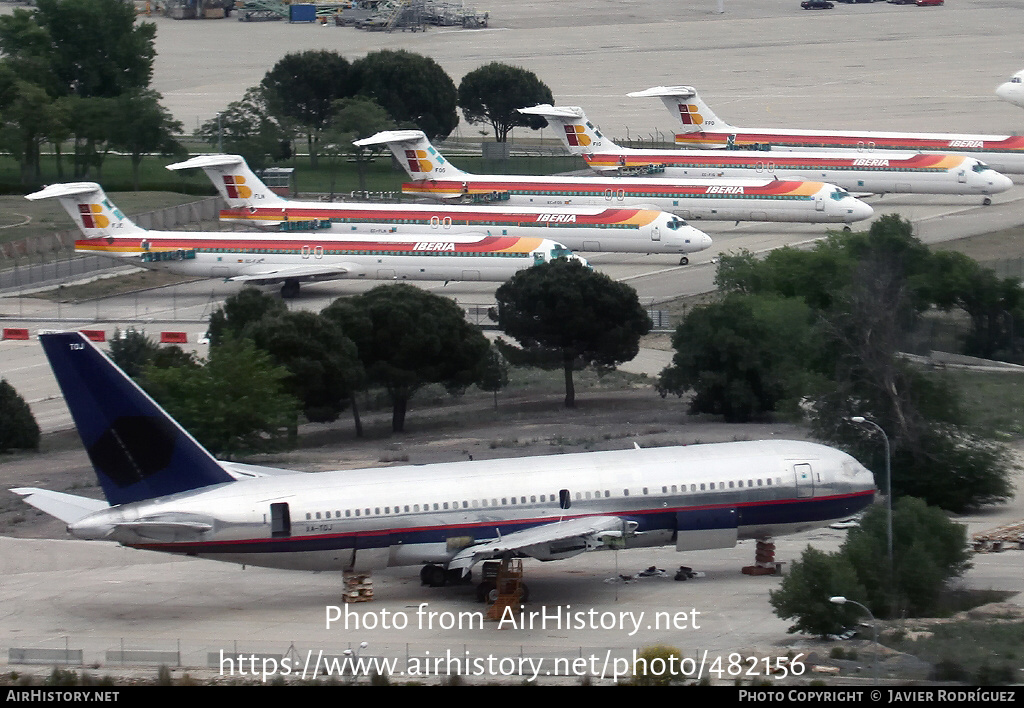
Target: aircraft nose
{"points": [[1004, 91], [858, 210], [1000, 183], [702, 240]]}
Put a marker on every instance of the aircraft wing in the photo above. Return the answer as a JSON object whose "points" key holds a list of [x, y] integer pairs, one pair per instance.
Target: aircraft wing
{"points": [[304, 272], [559, 539], [69, 508], [240, 470]]}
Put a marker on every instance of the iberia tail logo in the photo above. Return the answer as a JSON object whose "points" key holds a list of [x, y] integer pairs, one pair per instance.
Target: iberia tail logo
{"points": [[92, 216], [235, 187], [689, 115], [418, 161], [576, 135]]}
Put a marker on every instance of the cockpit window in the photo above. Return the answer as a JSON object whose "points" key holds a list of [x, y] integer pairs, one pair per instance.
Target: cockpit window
{"points": [[980, 167], [560, 251], [676, 224], [839, 195], [1016, 80]]}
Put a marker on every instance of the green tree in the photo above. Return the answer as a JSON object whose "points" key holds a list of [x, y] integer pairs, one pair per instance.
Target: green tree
{"points": [[323, 364], [806, 589], [233, 404], [493, 374], [18, 428], [144, 127], [493, 93], [928, 550], [567, 308], [741, 357], [96, 47], [302, 88], [241, 310], [407, 338], [412, 88], [132, 351], [247, 128], [354, 119]]}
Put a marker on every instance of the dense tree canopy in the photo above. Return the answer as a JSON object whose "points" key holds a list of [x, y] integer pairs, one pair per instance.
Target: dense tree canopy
{"points": [[867, 293], [18, 428], [302, 87], [247, 128], [412, 88], [406, 338], [928, 551], [568, 309], [71, 60], [493, 93], [233, 404]]}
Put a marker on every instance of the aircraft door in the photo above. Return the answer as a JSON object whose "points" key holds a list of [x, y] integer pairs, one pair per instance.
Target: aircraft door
{"points": [[804, 480], [655, 233], [280, 520], [819, 203], [961, 176]]}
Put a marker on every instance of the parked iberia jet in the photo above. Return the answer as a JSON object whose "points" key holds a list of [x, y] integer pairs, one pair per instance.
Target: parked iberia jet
{"points": [[292, 257], [720, 200], [921, 173], [613, 228], [166, 493], [702, 128], [1013, 90]]}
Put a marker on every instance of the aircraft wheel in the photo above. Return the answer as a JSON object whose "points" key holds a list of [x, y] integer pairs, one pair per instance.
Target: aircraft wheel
{"points": [[433, 575], [987, 201], [684, 261], [847, 229], [486, 591], [290, 289]]}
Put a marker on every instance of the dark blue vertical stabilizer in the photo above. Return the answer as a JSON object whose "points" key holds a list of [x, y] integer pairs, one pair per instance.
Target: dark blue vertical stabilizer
{"points": [[138, 451]]}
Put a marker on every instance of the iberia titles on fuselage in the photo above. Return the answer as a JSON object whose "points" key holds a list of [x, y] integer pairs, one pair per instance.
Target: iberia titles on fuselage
{"points": [[613, 228], [712, 199]]}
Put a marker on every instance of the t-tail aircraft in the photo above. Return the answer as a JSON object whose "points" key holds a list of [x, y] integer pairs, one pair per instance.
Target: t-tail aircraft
{"points": [[702, 128], [881, 172], [293, 257], [1013, 90], [718, 200], [609, 229], [165, 492]]}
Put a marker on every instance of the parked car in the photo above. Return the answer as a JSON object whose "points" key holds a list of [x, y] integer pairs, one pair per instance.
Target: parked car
{"points": [[817, 5], [922, 3]]}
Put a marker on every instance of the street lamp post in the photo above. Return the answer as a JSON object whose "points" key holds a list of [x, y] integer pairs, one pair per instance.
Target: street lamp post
{"points": [[840, 600], [861, 420]]}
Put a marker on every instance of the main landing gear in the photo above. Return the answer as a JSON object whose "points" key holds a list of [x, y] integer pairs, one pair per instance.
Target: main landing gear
{"points": [[987, 201], [684, 261], [290, 289]]}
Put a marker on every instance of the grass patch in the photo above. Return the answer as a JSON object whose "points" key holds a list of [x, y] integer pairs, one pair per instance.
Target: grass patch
{"points": [[979, 653], [108, 287], [992, 402]]}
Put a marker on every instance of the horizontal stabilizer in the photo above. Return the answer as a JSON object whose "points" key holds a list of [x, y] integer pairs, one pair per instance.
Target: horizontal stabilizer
{"points": [[207, 161], [549, 111], [69, 189], [69, 508], [241, 471], [658, 91], [392, 136]]}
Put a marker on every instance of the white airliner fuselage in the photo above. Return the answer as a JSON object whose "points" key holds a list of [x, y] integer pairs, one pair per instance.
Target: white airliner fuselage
{"points": [[166, 493], [702, 128]]}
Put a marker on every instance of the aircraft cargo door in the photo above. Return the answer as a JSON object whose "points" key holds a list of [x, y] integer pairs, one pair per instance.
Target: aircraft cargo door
{"points": [[701, 529]]}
